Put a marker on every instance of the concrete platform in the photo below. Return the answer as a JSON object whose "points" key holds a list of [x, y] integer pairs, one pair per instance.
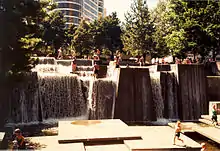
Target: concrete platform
{"points": [[49, 143], [2, 135], [156, 138], [114, 147], [94, 130], [159, 138], [208, 117], [209, 132], [209, 123], [207, 120]]}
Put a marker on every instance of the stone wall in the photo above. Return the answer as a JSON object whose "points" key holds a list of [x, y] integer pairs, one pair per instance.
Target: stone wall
{"points": [[134, 100], [192, 98], [169, 94], [213, 88]]}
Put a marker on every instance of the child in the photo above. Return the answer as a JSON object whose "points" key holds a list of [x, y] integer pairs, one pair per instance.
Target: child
{"points": [[214, 115], [177, 132], [20, 142]]}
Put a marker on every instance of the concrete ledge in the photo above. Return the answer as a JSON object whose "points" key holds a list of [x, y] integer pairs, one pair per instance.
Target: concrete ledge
{"points": [[49, 143], [159, 138], [2, 135], [209, 132], [94, 130]]}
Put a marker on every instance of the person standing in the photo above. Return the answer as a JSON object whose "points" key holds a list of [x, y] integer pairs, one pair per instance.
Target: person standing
{"points": [[214, 115], [96, 70], [74, 65], [60, 53]]}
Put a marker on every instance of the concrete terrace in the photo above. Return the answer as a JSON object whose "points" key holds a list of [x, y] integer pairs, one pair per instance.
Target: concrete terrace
{"points": [[151, 138]]}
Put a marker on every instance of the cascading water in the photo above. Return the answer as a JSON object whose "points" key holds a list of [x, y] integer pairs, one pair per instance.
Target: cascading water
{"points": [[172, 96], [102, 99], [164, 89], [53, 94], [61, 96], [24, 100], [157, 94]]}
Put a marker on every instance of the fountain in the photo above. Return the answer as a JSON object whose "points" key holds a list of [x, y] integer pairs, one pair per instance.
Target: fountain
{"points": [[144, 94], [164, 89]]}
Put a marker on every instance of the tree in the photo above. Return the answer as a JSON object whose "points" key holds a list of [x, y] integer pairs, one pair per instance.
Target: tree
{"points": [[14, 56], [54, 30], [69, 34], [103, 33], [198, 22], [48, 28], [107, 33], [83, 39], [161, 29], [138, 30]]}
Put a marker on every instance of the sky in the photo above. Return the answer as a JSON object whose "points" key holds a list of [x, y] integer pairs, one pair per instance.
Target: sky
{"points": [[123, 6]]}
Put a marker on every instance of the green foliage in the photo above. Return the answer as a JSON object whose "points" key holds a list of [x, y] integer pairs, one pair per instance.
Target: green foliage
{"points": [[83, 39], [103, 33], [158, 15], [194, 27], [16, 25], [54, 30], [138, 30]]}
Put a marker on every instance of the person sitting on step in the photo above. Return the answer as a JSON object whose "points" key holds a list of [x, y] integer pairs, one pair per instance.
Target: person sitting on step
{"points": [[19, 142]]}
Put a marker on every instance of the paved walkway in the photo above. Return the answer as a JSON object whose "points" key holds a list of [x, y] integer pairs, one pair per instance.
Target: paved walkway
{"points": [[153, 138]]}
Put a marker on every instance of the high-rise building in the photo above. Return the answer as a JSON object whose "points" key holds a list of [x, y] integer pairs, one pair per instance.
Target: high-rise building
{"points": [[76, 10], [101, 7]]}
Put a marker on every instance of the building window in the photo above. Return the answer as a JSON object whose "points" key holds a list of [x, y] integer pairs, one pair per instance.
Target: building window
{"points": [[69, 5], [76, 1], [90, 9], [91, 4]]}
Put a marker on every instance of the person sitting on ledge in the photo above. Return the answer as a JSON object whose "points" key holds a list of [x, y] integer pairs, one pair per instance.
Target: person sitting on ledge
{"points": [[177, 133], [214, 115], [19, 142]]}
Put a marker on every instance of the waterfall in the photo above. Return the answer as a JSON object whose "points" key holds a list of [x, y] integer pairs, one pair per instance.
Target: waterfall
{"points": [[90, 95], [172, 96], [51, 97], [61, 96], [157, 94], [103, 97], [164, 89], [24, 100]]}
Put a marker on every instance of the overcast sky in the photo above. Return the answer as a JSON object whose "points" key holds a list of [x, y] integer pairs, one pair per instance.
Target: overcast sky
{"points": [[122, 6]]}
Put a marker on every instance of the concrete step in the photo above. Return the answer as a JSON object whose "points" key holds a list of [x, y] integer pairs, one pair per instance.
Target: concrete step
{"points": [[208, 117], [2, 135], [208, 122], [209, 132]]}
